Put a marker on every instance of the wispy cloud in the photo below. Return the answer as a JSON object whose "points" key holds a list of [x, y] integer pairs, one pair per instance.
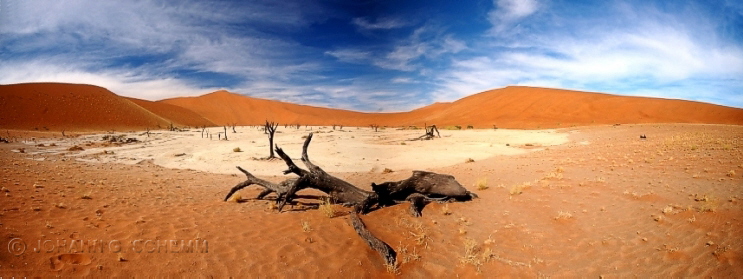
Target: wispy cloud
{"points": [[506, 12], [653, 52], [380, 23]]}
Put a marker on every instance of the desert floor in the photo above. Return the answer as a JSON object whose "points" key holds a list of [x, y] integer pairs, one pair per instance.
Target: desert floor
{"points": [[571, 202]]}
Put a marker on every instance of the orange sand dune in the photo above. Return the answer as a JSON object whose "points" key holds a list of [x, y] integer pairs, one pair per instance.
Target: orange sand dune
{"points": [[59, 106], [529, 107], [180, 116], [66, 106], [510, 107], [225, 108]]}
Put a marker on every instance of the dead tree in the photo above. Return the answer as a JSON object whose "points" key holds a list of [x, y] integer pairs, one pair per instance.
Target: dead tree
{"points": [[233, 128], [225, 132], [203, 128], [421, 188], [270, 129], [429, 133], [375, 127], [339, 190]]}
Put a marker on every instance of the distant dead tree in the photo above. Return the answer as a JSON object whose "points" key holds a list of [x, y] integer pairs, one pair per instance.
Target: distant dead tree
{"points": [[495, 127], [233, 128], [375, 127], [203, 128], [225, 132], [429, 133], [270, 128], [470, 127]]}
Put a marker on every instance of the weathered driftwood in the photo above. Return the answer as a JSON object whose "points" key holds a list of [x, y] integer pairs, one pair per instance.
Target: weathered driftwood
{"points": [[315, 177], [388, 254], [269, 187], [421, 188]]}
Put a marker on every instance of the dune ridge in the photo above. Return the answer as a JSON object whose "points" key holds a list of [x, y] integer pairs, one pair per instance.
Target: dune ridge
{"points": [[58, 106], [61, 106], [510, 107]]}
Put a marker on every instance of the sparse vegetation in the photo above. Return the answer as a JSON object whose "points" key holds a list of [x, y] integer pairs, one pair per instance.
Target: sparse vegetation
{"points": [[518, 189], [327, 208], [564, 215], [445, 209], [482, 183], [237, 149], [306, 226]]}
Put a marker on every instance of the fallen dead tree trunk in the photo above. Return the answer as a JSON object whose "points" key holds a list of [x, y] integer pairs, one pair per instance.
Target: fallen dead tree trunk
{"points": [[388, 254], [422, 187]]}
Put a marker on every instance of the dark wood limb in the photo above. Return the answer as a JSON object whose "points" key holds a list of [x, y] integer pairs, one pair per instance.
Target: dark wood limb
{"points": [[388, 254], [270, 187], [316, 178]]}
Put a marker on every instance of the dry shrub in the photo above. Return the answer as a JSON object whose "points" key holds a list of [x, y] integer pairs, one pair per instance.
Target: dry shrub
{"points": [[236, 197], [518, 189], [563, 215], [482, 183], [327, 208], [237, 149], [387, 170], [306, 226]]}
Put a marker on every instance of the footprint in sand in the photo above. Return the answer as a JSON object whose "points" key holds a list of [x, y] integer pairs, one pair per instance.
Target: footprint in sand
{"points": [[59, 262]]}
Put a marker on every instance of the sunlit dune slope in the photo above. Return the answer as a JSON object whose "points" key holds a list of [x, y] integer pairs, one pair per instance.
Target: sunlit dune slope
{"points": [[60, 106], [57, 106], [510, 107]]}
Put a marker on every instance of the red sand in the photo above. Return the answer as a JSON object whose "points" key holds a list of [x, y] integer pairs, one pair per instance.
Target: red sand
{"points": [[56, 106], [619, 207], [510, 107], [79, 107]]}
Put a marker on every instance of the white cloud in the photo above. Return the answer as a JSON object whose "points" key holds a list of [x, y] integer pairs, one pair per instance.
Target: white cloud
{"points": [[652, 52], [508, 11], [123, 83], [350, 55]]}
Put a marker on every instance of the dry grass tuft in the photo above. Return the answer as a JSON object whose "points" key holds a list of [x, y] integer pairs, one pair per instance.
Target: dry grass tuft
{"points": [[87, 196], [387, 170], [445, 209], [327, 208], [563, 215], [236, 197], [482, 183], [469, 160], [306, 226], [237, 149], [731, 173], [518, 189]]}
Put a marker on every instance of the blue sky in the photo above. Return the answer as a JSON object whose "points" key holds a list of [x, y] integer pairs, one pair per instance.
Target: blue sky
{"points": [[377, 55]]}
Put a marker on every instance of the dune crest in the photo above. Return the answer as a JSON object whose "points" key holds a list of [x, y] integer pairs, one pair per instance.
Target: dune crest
{"points": [[58, 106]]}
